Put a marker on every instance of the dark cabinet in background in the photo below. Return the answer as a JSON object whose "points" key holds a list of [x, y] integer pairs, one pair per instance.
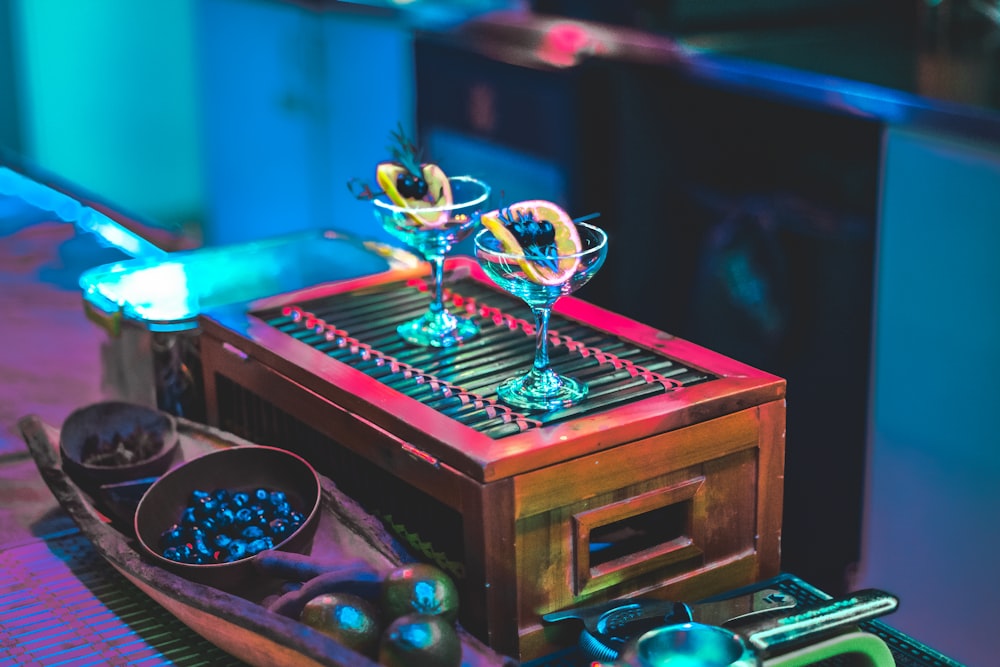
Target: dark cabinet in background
{"points": [[749, 226], [534, 133], [744, 224]]}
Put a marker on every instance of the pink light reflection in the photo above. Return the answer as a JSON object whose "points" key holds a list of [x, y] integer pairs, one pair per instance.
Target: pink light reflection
{"points": [[563, 43]]}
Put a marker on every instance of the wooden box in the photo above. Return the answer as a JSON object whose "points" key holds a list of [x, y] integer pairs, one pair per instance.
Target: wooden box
{"points": [[666, 481]]}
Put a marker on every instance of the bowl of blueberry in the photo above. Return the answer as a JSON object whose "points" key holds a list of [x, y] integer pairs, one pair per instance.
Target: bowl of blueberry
{"points": [[208, 518]]}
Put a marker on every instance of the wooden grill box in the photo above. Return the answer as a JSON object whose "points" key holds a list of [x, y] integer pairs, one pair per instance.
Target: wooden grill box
{"points": [[666, 481]]}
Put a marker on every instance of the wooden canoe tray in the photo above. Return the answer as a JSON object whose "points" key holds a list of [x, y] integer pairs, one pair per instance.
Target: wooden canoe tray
{"points": [[238, 623]]}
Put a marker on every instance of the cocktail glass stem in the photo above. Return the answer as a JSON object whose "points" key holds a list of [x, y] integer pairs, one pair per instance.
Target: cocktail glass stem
{"points": [[438, 326], [541, 364], [438, 319], [542, 388], [437, 272], [541, 380]]}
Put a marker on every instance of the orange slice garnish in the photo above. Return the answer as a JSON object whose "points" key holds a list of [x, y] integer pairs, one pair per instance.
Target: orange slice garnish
{"points": [[546, 258], [437, 198]]}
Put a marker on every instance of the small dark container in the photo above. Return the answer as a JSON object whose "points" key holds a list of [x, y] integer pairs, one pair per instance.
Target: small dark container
{"points": [[103, 421], [236, 469]]}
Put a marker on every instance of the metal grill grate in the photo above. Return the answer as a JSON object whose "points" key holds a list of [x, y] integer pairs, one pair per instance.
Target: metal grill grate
{"points": [[358, 328], [62, 604]]}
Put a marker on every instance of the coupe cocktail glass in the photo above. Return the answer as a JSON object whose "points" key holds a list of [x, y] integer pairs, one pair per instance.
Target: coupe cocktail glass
{"points": [[541, 388], [437, 327]]}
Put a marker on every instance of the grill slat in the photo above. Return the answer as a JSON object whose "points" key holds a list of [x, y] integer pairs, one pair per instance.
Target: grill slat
{"points": [[359, 329]]}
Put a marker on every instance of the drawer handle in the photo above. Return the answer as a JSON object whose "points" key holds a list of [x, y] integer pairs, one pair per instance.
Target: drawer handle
{"points": [[628, 538]]}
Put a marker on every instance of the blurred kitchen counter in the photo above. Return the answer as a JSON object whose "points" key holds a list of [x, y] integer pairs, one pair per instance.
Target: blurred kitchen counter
{"points": [[925, 69], [938, 78]]}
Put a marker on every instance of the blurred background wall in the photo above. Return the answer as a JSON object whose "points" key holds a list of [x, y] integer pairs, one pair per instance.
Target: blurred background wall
{"points": [[105, 96], [10, 128], [294, 104]]}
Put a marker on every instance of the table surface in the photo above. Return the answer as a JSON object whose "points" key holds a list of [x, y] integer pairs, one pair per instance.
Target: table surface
{"points": [[51, 363]]}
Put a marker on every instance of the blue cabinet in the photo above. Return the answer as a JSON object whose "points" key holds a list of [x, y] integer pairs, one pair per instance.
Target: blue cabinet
{"points": [[296, 102]]}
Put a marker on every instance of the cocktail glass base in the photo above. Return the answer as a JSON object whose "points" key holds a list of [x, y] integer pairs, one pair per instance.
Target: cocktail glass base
{"points": [[437, 330], [542, 391]]}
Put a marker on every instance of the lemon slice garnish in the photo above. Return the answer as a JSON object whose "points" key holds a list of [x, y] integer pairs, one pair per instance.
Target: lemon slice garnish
{"points": [[522, 229], [437, 199]]}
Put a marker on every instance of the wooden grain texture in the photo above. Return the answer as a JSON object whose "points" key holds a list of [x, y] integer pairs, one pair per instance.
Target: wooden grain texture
{"points": [[709, 455], [494, 543], [717, 499], [581, 477], [770, 487]]}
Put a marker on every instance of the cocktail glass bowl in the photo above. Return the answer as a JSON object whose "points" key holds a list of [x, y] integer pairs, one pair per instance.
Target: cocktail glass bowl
{"points": [[448, 225], [541, 388]]}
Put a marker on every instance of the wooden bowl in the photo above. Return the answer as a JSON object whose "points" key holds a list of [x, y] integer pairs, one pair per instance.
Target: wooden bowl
{"points": [[235, 469], [112, 421]]}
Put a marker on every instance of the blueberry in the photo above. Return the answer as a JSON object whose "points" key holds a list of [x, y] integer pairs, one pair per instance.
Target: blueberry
{"points": [[283, 510], [243, 517], [258, 545], [280, 528], [205, 507], [203, 551], [260, 517], [411, 186], [173, 537], [221, 540], [236, 549], [197, 495], [252, 533], [188, 517], [224, 518], [185, 553]]}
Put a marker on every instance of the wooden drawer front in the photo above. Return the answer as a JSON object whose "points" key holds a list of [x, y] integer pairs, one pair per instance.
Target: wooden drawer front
{"points": [[635, 531], [708, 514]]}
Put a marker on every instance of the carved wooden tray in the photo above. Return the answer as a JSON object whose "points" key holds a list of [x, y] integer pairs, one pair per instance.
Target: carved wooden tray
{"points": [[237, 622]]}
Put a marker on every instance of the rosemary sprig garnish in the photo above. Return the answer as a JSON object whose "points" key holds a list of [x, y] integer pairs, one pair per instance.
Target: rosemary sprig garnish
{"points": [[406, 152]]}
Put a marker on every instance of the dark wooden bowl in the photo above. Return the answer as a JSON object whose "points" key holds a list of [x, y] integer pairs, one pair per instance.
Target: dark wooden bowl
{"points": [[103, 421], [235, 469]]}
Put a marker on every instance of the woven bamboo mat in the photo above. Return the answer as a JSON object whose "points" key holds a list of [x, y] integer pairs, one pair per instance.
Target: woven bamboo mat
{"points": [[62, 604]]}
